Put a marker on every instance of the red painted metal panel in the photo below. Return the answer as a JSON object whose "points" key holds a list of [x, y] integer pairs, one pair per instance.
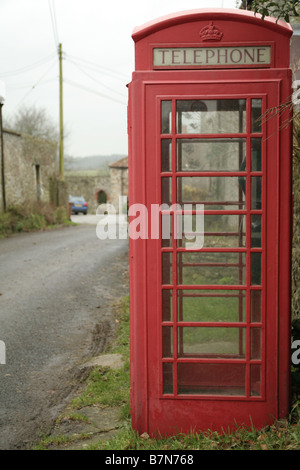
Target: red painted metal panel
{"points": [[239, 17], [179, 382], [239, 27]]}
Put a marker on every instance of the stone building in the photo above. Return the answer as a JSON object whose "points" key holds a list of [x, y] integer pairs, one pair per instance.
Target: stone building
{"points": [[118, 181], [29, 164], [95, 189], [102, 188]]}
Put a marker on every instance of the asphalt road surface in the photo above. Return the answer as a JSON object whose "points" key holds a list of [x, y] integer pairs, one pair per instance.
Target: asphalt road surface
{"points": [[56, 292]]}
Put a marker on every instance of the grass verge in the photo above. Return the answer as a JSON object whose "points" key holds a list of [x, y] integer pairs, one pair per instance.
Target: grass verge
{"points": [[32, 217], [106, 386], [110, 388]]}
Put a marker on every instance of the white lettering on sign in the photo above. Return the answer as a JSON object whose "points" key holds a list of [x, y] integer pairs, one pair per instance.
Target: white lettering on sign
{"points": [[2, 352], [186, 57]]}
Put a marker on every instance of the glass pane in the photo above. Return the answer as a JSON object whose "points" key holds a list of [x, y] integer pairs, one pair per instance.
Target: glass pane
{"points": [[256, 230], [166, 191], [211, 342], [255, 343], [256, 268], [166, 230], [211, 268], [211, 379], [167, 377], [166, 117], [167, 341], [256, 192], [255, 154], [255, 306], [215, 192], [167, 268], [211, 116], [255, 380], [256, 115], [190, 229], [211, 155], [220, 230], [166, 155], [167, 305], [211, 305]]}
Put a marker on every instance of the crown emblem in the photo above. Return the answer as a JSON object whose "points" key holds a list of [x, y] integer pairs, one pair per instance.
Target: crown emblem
{"points": [[211, 33]]}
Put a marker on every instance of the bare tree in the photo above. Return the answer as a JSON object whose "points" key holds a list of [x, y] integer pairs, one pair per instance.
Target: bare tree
{"points": [[33, 121]]}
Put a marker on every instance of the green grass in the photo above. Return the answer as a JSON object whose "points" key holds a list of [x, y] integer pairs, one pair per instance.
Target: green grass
{"points": [[106, 387], [32, 217], [60, 440], [280, 436]]}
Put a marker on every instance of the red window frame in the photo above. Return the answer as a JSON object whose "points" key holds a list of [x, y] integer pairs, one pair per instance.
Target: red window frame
{"points": [[175, 324], [151, 380]]}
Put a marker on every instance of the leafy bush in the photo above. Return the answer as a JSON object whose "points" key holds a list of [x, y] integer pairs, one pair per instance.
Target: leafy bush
{"points": [[31, 217]]}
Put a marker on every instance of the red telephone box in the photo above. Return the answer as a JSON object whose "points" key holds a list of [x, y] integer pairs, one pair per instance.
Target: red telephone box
{"points": [[210, 321]]}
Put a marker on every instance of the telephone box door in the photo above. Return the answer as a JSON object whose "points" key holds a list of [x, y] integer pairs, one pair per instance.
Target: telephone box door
{"points": [[212, 166]]}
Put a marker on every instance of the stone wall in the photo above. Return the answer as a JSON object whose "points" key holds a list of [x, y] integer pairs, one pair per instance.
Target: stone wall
{"points": [[89, 187], [94, 188], [119, 185], [118, 181], [29, 163]]}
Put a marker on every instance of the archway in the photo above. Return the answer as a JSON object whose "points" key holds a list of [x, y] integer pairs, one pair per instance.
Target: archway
{"points": [[101, 197]]}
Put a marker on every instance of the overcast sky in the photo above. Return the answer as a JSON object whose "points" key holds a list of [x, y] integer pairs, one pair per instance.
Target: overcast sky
{"points": [[98, 62]]}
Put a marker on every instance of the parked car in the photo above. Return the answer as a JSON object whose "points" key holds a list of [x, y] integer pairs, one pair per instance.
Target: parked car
{"points": [[79, 204]]}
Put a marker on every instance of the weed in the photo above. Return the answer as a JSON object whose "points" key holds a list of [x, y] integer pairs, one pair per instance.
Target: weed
{"points": [[107, 387], [31, 217]]}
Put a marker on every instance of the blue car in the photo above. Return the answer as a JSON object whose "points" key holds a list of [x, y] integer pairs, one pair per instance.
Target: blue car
{"points": [[78, 204]]}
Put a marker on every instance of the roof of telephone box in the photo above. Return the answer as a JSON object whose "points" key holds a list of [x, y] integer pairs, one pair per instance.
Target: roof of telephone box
{"points": [[187, 16]]}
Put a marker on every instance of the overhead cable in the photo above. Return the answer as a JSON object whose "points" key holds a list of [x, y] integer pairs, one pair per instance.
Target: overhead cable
{"points": [[100, 68], [94, 91], [54, 22], [27, 67], [37, 82], [19, 87], [96, 80]]}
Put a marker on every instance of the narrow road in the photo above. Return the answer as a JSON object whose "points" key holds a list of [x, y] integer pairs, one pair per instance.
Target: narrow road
{"points": [[56, 292]]}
